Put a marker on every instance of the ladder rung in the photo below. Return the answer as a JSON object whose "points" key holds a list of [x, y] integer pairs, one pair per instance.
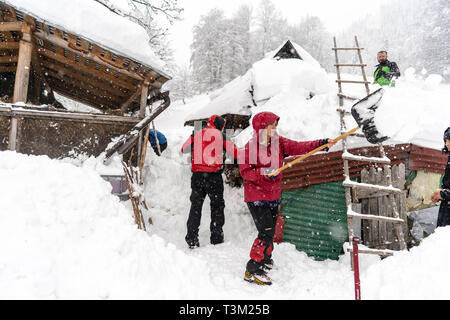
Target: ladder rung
{"points": [[352, 81], [359, 135], [347, 97], [344, 111], [350, 65], [373, 217], [349, 156], [368, 186], [347, 48], [379, 252]]}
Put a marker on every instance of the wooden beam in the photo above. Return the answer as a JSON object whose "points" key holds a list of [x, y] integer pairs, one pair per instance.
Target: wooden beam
{"points": [[131, 99], [8, 69], [80, 66], [19, 112], [14, 128], [59, 69], [12, 45], [83, 85], [23, 69], [91, 99], [143, 102], [64, 92], [85, 54], [37, 67], [8, 59], [71, 46], [11, 26], [125, 143]]}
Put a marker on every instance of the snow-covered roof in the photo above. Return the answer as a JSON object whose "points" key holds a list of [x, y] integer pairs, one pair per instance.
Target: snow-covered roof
{"points": [[92, 21], [304, 55], [266, 79]]}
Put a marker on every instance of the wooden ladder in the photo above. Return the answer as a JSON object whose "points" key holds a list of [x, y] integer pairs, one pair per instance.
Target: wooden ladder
{"points": [[383, 159]]}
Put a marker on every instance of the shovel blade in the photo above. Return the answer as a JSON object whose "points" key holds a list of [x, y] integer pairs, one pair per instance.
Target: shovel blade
{"points": [[364, 114]]}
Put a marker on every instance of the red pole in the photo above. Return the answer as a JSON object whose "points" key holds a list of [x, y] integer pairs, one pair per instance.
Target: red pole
{"points": [[355, 241]]}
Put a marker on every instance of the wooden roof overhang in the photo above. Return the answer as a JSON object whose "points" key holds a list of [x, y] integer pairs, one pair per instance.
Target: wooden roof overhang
{"points": [[234, 121], [76, 67]]}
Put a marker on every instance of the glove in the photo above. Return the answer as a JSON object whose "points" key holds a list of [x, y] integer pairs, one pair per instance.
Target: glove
{"points": [[322, 142], [266, 171]]}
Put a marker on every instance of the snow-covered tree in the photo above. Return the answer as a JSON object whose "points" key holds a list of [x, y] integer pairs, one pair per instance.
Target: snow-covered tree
{"points": [[312, 35], [181, 85], [237, 59], [155, 17], [415, 34], [271, 29], [209, 49]]}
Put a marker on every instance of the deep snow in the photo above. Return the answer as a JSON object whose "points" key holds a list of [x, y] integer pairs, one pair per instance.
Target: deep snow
{"points": [[65, 236]]}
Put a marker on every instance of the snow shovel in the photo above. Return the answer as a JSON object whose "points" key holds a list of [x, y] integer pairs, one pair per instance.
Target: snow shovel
{"points": [[363, 112]]}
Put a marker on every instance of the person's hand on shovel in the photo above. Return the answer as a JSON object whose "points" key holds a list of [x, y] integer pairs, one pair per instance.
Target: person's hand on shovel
{"points": [[270, 173], [436, 196], [330, 143]]}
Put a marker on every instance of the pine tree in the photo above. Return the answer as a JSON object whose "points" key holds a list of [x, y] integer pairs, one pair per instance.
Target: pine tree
{"points": [[209, 49]]}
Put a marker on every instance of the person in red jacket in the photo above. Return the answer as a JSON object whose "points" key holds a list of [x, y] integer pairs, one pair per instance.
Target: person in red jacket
{"points": [[206, 147], [262, 193]]}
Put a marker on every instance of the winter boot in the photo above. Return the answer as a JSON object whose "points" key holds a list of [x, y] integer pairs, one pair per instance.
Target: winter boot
{"points": [[260, 278], [192, 244], [216, 238], [267, 264]]}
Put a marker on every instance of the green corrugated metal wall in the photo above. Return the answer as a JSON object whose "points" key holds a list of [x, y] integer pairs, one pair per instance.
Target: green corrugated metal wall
{"points": [[316, 219]]}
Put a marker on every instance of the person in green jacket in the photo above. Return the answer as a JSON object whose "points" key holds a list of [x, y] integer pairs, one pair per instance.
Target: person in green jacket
{"points": [[386, 71]]}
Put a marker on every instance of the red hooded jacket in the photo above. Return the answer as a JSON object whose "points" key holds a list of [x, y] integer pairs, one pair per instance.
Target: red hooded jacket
{"points": [[258, 186], [208, 145]]}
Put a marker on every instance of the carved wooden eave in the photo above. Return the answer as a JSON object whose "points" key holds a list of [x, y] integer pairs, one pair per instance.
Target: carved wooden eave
{"points": [[74, 66]]}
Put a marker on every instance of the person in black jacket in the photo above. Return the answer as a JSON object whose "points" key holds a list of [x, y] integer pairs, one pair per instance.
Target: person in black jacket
{"points": [[443, 194], [386, 71]]}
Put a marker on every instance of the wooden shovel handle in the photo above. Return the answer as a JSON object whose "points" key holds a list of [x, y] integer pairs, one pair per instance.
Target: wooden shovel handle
{"points": [[303, 157]]}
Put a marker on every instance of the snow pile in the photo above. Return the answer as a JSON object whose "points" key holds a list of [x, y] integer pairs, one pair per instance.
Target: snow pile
{"points": [[64, 235], [93, 21], [267, 79], [233, 98], [415, 111], [272, 77], [420, 273]]}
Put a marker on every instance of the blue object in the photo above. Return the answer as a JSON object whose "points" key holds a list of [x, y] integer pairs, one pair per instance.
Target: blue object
{"points": [[151, 137]]}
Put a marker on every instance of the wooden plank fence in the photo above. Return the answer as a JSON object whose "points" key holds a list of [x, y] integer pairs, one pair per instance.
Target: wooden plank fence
{"points": [[379, 234]]}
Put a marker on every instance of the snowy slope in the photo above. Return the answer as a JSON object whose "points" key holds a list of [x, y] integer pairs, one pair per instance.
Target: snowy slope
{"points": [[65, 236]]}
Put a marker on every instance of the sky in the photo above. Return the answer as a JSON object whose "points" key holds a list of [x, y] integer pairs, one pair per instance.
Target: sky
{"points": [[335, 14]]}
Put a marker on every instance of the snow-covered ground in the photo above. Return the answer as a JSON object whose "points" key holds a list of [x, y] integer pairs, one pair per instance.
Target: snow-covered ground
{"points": [[64, 236]]}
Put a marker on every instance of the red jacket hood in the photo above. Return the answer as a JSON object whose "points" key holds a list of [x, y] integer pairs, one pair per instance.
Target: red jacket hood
{"points": [[263, 119]]}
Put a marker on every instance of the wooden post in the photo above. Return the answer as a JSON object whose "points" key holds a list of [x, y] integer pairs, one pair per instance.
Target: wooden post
{"points": [[143, 106], [144, 95], [23, 67], [21, 83]]}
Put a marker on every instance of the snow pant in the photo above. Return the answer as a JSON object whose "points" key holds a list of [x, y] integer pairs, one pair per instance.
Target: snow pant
{"points": [[265, 219], [206, 184], [444, 214]]}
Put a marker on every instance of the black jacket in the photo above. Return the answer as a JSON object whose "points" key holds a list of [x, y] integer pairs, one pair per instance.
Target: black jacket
{"points": [[395, 71], [444, 210]]}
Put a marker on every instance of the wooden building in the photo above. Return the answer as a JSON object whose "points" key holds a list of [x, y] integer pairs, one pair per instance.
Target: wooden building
{"points": [[38, 59], [314, 203]]}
